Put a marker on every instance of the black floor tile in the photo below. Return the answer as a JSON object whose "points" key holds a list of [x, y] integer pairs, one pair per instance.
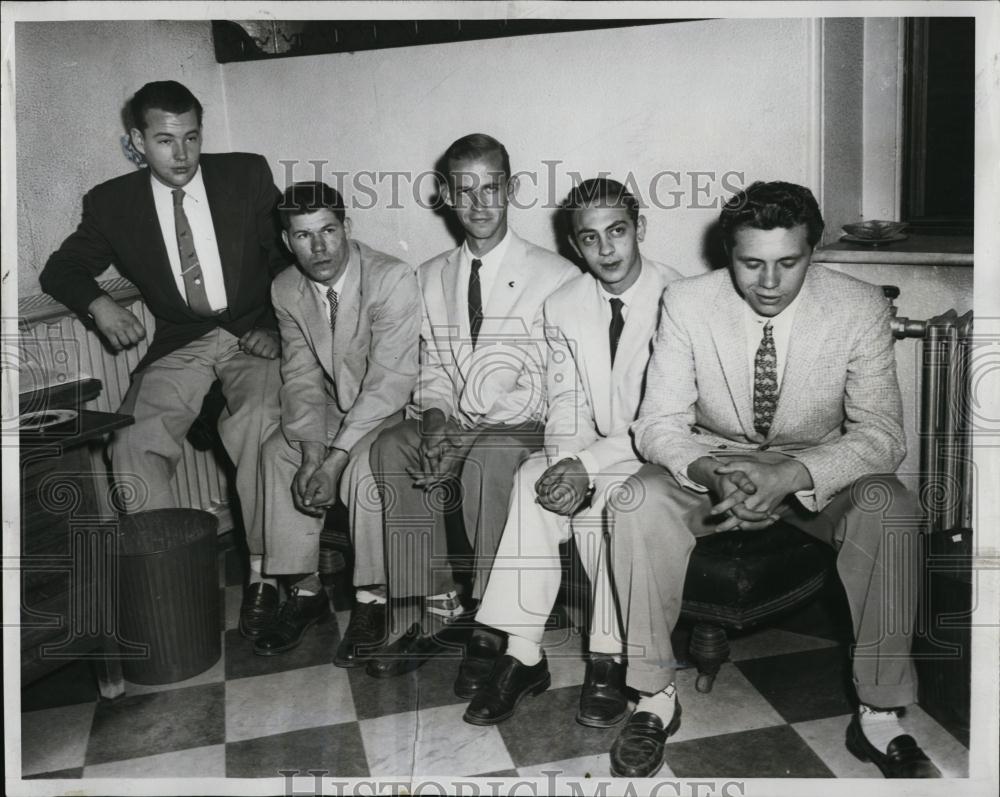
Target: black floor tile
{"points": [[73, 772], [375, 697], [335, 749], [317, 647], [163, 722], [500, 773], [67, 686], [828, 616], [544, 728], [776, 752], [808, 685]]}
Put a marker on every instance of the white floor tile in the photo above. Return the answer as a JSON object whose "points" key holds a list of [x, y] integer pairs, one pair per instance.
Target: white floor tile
{"points": [[55, 738], [309, 697]]}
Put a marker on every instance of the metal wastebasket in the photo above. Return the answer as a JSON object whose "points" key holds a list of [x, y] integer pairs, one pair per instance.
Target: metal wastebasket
{"points": [[168, 599]]}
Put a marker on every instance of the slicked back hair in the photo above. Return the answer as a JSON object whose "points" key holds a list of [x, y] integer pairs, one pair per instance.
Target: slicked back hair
{"points": [[767, 205]]}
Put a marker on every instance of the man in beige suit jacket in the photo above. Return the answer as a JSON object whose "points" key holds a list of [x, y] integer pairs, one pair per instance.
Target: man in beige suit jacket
{"points": [[772, 393], [349, 318], [598, 328], [478, 405]]}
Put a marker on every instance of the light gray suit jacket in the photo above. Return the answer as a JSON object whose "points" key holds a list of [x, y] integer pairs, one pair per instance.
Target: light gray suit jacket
{"points": [[338, 387], [591, 403], [502, 380], [839, 411]]}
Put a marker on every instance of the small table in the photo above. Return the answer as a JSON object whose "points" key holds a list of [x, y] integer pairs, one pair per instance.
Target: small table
{"points": [[67, 543]]}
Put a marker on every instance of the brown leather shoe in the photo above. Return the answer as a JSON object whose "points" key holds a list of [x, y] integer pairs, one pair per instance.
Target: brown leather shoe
{"points": [[903, 757], [507, 685], [603, 701], [638, 750], [258, 609]]}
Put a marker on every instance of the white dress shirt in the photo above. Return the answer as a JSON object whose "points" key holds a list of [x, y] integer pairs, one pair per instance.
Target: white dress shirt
{"points": [[321, 288], [199, 217], [488, 271]]}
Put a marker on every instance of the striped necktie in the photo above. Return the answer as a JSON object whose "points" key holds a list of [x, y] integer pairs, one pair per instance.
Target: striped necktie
{"points": [[194, 281], [331, 297]]}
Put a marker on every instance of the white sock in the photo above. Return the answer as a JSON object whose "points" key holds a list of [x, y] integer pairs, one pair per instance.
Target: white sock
{"points": [[257, 572], [524, 650], [309, 586], [661, 704], [374, 595], [879, 727]]}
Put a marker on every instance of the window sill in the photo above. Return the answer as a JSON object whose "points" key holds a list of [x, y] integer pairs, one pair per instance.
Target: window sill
{"points": [[916, 250]]}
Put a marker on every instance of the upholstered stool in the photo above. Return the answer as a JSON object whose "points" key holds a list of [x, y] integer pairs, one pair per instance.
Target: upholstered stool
{"points": [[740, 579]]}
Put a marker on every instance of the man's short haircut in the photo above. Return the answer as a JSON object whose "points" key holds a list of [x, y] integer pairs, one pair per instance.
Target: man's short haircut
{"points": [[476, 146], [602, 192], [167, 95], [765, 206], [309, 197]]}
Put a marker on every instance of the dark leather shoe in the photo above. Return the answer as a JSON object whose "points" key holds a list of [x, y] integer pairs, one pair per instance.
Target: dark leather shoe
{"points": [[902, 759], [603, 701], [638, 750], [365, 631], [295, 617], [406, 654], [482, 652], [258, 609], [508, 683]]}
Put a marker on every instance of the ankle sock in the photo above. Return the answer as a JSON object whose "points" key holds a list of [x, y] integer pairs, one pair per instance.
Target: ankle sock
{"points": [[256, 572], [661, 704], [371, 594], [879, 727], [524, 650], [308, 586]]}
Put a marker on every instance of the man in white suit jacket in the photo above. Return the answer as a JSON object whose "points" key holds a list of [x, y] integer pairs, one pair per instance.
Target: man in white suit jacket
{"points": [[598, 328], [349, 318], [772, 393], [478, 405]]}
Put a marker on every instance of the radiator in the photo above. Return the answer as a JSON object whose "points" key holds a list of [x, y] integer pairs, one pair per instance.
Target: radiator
{"points": [[55, 347]]}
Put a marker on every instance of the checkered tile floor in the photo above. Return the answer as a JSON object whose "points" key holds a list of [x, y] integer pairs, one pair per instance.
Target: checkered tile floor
{"points": [[780, 708]]}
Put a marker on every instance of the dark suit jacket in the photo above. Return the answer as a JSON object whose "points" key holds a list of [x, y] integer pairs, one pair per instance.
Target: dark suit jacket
{"points": [[120, 227]]}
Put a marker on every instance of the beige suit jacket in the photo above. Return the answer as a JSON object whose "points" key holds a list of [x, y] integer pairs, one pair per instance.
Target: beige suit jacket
{"points": [[590, 403], [502, 379], [338, 387], [839, 410]]}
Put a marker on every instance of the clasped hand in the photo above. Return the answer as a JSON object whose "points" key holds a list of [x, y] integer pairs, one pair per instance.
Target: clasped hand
{"points": [[314, 487], [443, 448], [563, 487]]}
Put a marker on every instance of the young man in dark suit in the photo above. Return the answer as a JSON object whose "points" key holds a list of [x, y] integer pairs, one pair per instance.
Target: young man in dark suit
{"points": [[198, 236]]}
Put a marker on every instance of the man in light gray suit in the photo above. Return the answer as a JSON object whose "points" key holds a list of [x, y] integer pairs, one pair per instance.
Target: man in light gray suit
{"points": [[478, 406], [349, 318], [772, 393]]}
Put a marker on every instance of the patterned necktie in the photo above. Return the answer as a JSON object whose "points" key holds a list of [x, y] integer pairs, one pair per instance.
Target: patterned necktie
{"points": [[194, 282], [333, 299], [765, 382], [616, 326], [475, 301]]}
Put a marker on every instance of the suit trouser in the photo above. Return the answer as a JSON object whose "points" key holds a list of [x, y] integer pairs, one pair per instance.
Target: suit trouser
{"points": [[874, 525], [527, 570], [165, 397], [292, 537], [417, 555]]}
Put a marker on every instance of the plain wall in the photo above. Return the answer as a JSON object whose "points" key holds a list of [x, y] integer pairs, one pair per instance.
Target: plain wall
{"points": [[71, 81], [710, 96]]}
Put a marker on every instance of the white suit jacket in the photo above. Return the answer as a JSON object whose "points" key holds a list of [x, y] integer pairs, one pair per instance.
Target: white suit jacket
{"points": [[502, 379], [590, 403], [338, 387], [839, 408]]}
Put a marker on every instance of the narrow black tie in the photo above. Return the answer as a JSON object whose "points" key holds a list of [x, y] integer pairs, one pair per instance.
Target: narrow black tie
{"points": [[616, 326], [475, 301]]}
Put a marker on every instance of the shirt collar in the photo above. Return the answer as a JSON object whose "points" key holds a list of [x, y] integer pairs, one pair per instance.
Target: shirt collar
{"points": [[491, 259], [628, 297], [195, 189]]}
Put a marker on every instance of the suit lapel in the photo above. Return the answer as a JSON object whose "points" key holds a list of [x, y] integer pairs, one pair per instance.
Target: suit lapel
{"points": [[511, 281], [805, 347], [149, 238], [227, 219], [729, 334], [594, 352], [316, 323], [455, 300], [639, 325]]}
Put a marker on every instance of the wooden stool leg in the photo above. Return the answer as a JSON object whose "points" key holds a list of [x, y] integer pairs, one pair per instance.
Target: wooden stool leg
{"points": [[709, 648]]}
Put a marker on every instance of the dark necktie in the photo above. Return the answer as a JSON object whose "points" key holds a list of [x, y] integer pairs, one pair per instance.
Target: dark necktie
{"points": [[332, 298], [765, 382], [475, 301], [194, 282], [616, 326]]}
